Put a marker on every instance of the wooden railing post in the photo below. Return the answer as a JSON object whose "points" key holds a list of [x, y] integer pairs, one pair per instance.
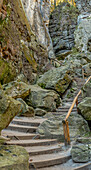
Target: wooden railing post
{"points": [[66, 132], [83, 73], [65, 122]]}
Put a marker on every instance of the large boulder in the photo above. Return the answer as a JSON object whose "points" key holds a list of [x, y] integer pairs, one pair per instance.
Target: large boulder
{"points": [[80, 153], [57, 79], [79, 62], [17, 89], [13, 157], [53, 127], [40, 112], [85, 108], [81, 149], [41, 98], [83, 35], [27, 111], [86, 90], [9, 108]]}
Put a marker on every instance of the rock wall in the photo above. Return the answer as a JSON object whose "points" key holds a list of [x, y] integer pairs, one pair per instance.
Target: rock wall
{"points": [[63, 21], [38, 13], [19, 45], [83, 5]]}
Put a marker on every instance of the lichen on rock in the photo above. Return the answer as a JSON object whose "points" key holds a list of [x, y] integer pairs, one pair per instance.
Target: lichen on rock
{"points": [[17, 158], [9, 108]]}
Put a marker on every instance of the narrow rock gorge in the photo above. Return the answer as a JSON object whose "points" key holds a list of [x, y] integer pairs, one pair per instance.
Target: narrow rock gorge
{"points": [[45, 69]]}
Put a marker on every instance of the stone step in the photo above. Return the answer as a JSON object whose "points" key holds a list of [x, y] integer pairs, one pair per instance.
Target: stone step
{"points": [[65, 107], [35, 142], [46, 160], [86, 166], [67, 166], [25, 123], [71, 100], [63, 110], [14, 135], [38, 150], [21, 128]]}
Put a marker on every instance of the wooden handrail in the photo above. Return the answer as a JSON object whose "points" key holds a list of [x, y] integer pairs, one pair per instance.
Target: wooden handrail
{"points": [[74, 101], [65, 122]]}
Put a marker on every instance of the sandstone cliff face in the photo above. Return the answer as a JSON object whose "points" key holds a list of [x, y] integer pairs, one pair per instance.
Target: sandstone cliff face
{"points": [[38, 13], [20, 43]]}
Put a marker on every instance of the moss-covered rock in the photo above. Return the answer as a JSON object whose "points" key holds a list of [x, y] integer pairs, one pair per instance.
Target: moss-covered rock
{"points": [[17, 89], [86, 90], [57, 79], [13, 157], [9, 108], [18, 43], [7, 72], [53, 127], [40, 112], [42, 98], [27, 111], [80, 153], [85, 108]]}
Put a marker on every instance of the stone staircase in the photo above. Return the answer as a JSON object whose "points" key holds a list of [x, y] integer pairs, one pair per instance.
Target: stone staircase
{"points": [[45, 154]]}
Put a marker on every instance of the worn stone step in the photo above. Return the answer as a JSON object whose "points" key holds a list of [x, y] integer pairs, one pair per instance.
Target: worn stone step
{"points": [[35, 142], [14, 135], [38, 150], [25, 123], [65, 110], [46, 160], [86, 166], [70, 101], [21, 128], [66, 166]]}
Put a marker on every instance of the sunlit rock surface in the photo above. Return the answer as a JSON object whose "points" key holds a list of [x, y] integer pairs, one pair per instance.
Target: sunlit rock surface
{"points": [[9, 108]]}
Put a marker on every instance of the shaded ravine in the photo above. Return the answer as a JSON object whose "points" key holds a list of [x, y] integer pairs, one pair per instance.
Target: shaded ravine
{"points": [[44, 153]]}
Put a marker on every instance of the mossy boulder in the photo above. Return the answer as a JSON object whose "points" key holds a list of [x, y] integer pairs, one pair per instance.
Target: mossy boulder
{"points": [[17, 89], [9, 108], [42, 98], [85, 108], [7, 72], [53, 127], [80, 153], [57, 79], [86, 90], [27, 111], [40, 112], [13, 157]]}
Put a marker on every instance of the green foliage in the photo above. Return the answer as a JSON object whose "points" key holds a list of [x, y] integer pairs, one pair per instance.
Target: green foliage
{"points": [[42, 85]]}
